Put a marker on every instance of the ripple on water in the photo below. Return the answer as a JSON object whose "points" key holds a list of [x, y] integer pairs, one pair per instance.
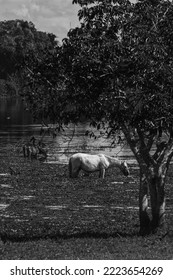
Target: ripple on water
{"points": [[4, 174], [26, 197], [92, 206], [3, 206], [56, 207], [6, 186], [96, 207]]}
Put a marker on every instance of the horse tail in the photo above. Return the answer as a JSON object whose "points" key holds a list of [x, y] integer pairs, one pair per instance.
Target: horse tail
{"points": [[24, 150], [70, 167]]}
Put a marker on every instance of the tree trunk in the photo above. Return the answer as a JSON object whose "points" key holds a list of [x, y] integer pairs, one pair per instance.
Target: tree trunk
{"points": [[153, 170], [155, 185], [143, 205], [157, 195]]}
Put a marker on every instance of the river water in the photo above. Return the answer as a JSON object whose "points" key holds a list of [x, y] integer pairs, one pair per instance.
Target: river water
{"points": [[17, 126]]}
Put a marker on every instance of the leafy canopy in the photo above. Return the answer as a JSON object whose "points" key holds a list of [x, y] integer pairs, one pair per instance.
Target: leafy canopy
{"points": [[116, 68], [119, 62], [21, 42]]}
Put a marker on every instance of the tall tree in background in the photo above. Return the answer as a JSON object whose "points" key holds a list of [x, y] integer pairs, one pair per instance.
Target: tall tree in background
{"points": [[21, 46], [116, 69]]}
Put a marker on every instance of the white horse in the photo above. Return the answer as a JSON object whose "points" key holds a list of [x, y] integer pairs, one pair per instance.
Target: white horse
{"points": [[93, 163]]}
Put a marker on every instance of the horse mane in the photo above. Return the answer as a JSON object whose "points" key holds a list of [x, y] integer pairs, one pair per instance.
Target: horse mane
{"points": [[119, 162]]}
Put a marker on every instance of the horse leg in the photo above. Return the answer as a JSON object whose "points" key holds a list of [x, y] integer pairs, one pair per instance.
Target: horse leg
{"points": [[75, 172], [70, 168], [36, 154], [24, 151], [86, 174], [29, 153], [102, 173]]}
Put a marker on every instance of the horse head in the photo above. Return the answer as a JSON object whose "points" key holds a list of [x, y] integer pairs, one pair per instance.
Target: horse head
{"points": [[124, 168]]}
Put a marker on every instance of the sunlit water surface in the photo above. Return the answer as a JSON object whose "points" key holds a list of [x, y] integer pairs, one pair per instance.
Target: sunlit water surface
{"points": [[17, 126]]}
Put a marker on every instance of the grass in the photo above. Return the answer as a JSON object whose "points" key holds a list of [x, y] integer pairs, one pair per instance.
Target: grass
{"points": [[50, 216]]}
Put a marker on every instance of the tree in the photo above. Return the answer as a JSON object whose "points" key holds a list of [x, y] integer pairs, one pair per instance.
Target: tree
{"points": [[21, 46], [117, 72]]}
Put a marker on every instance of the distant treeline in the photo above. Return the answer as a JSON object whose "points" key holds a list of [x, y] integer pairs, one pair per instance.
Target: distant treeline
{"points": [[20, 46]]}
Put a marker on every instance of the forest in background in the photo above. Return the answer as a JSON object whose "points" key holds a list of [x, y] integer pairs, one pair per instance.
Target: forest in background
{"points": [[21, 45]]}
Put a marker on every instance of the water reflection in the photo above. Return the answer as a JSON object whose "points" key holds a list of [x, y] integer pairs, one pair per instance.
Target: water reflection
{"points": [[15, 121], [16, 124]]}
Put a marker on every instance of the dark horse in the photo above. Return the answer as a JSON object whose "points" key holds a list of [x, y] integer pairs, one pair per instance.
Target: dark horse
{"points": [[32, 150]]}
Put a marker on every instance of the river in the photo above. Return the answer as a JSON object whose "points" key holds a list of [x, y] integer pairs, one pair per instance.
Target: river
{"points": [[17, 125]]}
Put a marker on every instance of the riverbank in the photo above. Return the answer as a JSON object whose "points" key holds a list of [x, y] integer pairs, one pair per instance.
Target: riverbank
{"points": [[46, 215]]}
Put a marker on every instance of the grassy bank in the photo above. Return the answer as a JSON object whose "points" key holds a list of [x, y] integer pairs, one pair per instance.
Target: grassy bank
{"points": [[46, 215]]}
